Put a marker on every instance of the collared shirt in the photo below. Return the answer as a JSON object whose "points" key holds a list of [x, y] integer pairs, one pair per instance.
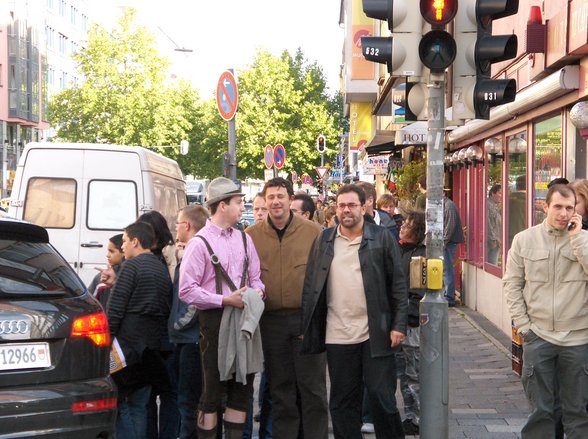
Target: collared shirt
{"points": [[347, 321], [197, 276]]}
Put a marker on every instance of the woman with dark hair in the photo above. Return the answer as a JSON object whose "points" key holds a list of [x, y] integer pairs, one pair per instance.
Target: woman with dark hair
{"points": [[412, 236], [163, 247], [169, 416]]}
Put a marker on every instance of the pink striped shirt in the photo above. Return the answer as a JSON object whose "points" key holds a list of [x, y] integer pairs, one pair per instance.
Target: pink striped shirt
{"points": [[197, 277]]}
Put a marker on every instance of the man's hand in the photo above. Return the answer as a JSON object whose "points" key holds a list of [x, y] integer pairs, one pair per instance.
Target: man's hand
{"points": [[107, 275], [396, 338], [576, 220], [235, 299]]}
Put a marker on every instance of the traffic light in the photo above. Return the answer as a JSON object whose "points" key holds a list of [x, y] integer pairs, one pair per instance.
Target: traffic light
{"points": [[474, 93], [396, 51], [437, 48], [321, 144], [412, 96]]}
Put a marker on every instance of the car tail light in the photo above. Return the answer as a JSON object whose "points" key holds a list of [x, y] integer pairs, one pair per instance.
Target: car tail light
{"points": [[93, 326], [94, 405]]}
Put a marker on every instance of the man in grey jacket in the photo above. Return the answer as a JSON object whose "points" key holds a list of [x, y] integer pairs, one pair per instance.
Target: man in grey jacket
{"points": [[545, 288]]}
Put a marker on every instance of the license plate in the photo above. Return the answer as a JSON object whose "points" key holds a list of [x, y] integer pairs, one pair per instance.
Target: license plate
{"points": [[24, 356]]}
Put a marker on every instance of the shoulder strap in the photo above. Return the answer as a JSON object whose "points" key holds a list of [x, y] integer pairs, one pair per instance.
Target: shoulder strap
{"points": [[245, 262], [220, 273]]}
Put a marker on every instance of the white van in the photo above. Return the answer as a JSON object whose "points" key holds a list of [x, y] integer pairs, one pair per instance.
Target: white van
{"points": [[85, 193]]}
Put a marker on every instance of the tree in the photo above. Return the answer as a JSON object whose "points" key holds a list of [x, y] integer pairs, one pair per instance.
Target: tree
{"points": [[281, 100], [124, 98]]}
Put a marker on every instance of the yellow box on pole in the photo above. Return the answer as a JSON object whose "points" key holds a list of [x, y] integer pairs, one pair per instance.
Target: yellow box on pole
{"points": [[435, 274]]}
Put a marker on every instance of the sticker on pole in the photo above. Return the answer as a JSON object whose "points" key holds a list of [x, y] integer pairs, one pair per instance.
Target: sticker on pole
{"points": [[279, 156], [227, 96], [268, 156]]}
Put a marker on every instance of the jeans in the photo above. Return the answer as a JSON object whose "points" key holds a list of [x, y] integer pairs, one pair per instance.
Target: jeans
{"points": [[265, 416], [449, 272], [543, 364], [409, 377], [189, 387], [349, 366], [289, 371], [164, 423], [131, 422]]}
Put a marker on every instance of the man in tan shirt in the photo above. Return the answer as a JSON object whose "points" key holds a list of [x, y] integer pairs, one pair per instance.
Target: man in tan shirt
{"points": [[354, 306]]}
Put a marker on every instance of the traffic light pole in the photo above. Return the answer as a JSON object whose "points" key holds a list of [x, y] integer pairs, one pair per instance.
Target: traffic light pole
{"points": [[434, 328]]}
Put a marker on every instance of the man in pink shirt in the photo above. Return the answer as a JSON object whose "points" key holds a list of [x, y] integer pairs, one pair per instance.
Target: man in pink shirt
{"points": [[200, 285]]}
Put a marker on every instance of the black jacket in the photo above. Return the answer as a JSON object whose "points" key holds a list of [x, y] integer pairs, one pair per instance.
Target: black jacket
{"points": [[383, 282], [385, 221]]}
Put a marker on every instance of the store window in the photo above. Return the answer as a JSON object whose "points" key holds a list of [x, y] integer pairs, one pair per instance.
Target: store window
{"points": [[548, 160], [493, 192], [516, 173]]}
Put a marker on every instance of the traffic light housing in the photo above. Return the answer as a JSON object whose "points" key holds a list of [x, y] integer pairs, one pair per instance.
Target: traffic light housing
{"points": [[437, 48], [321, 144], [396, 51], [412, 96], [474, 92]]}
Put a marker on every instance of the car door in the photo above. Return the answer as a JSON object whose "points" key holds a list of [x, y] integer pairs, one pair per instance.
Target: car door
{"points": [[112, 192]]}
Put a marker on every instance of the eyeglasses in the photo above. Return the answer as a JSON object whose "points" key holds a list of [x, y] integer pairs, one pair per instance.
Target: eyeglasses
{"points": [[351, 206]]}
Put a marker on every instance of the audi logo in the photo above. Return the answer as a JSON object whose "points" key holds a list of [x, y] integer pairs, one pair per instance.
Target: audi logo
{"points": [[14, 327]]}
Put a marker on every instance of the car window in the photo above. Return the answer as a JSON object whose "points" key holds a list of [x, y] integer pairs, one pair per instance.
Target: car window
{"points": [[51, 202], [35, 268], [112, 205]]}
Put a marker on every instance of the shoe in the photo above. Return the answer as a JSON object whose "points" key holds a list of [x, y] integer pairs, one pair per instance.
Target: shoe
{"points": [[410, 428], [368, 427]]}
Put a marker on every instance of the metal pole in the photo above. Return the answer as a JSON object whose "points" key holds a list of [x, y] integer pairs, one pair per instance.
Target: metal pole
{"points": [[434, 328], [232, 146]]}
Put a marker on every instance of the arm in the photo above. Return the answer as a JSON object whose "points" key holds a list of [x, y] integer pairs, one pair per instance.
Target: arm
{"points": [[513, 284], [121, 296], [396, 288], [254, 270]]}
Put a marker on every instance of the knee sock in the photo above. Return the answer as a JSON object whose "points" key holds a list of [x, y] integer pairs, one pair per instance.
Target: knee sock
{"points": [[206, 434], [233, 430]]}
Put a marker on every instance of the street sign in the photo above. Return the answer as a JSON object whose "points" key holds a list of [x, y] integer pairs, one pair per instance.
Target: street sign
{"points": [[340, 160], [279, 156], [306, 179], [294, 177], [268, 174], [322, 171], [227, 96], [268, 156]]}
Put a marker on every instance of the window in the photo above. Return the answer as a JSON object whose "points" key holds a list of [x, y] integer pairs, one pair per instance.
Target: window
{"points": [[51, 202], [548, 152], [50, 36], [493, 195], [112, 205], [62, 6], [50, 75], [63, 80], [516, 173], [62, 44]]}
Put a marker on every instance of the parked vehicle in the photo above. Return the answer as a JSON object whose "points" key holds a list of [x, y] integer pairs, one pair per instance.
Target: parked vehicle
{"points": [[54, 344], [85, 193]]}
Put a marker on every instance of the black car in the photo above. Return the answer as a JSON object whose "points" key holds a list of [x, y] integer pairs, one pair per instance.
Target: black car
{"points": [[54, 344]]}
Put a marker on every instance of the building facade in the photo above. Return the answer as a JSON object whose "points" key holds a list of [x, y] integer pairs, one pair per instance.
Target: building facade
{"points": [[523, 146]]}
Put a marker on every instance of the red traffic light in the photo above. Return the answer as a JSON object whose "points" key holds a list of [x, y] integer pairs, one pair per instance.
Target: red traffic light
{"points": [[438, 12]]}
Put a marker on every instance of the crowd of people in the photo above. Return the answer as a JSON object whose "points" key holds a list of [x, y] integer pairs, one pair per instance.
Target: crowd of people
{"points": [[310, 287]]}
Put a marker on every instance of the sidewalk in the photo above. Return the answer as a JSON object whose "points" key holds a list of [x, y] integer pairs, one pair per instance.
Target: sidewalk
{"points": [[486, 399]]}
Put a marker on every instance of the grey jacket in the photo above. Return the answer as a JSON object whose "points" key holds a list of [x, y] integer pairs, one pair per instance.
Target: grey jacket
{"points": [[239, 339]]}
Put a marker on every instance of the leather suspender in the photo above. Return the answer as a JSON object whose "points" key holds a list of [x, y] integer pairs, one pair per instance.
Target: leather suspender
{"points": [[220, 273]]}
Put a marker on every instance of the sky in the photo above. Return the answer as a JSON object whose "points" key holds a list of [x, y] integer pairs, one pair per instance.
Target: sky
{"points": [[225, 34]]}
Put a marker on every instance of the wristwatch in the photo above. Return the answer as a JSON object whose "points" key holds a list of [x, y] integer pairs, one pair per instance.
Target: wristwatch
{"points": [[524, 333]]}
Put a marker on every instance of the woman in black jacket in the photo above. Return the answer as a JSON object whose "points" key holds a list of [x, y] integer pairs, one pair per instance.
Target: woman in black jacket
{"points": [[412, 236]]}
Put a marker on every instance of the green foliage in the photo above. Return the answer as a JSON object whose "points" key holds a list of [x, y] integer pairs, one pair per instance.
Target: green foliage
{"points": [[124, 98], [407, 180]]}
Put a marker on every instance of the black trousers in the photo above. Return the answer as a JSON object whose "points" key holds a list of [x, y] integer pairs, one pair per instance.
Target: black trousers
{"points": [[288, 372], [349, 367]]}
